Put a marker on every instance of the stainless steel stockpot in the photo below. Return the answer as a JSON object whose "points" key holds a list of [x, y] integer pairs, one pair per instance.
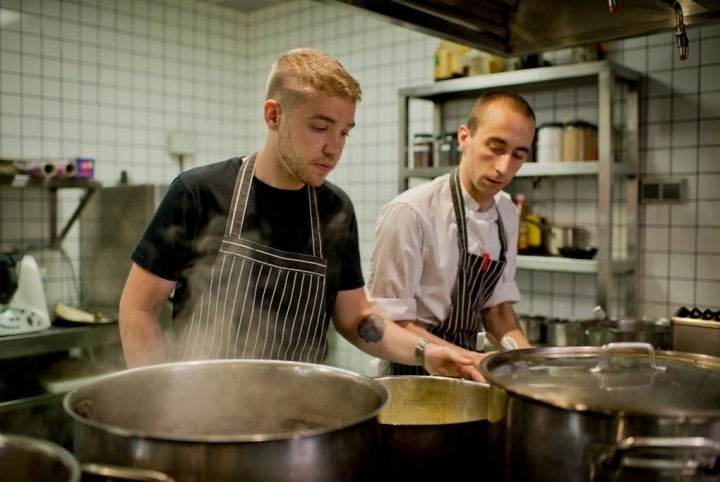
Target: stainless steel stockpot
{"points": [[30, 459], [231, 420], [620, 412], [432, 427]]}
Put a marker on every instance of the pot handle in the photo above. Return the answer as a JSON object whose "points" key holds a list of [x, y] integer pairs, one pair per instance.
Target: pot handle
{"points": [[120, 473], [605, 350], [702, 455]]}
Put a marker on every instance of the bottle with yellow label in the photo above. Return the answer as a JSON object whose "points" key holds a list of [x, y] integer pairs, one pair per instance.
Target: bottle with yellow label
{"points": [[523, 246], [444, 61], [449, 61], [535, 234]]}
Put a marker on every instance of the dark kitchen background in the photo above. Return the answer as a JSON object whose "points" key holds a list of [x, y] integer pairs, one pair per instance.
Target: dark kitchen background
{"points": [[113, 79]]}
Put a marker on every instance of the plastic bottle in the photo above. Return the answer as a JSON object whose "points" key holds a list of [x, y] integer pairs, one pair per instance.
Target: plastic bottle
{"points": [[476, 63], [523, 246], [459, 68], [443, 61], [535, 236]]}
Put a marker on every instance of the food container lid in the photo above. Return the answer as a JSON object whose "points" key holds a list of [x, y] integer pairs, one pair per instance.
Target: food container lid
{"points": [[551, 125], [629, 378], [580, 124]]}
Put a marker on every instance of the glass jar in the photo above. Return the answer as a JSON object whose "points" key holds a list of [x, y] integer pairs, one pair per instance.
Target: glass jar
{"points": [[447, 149], [422, 150]]}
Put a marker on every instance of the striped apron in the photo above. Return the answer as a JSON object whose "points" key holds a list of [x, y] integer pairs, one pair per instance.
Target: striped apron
{"points": [[259, 302]]}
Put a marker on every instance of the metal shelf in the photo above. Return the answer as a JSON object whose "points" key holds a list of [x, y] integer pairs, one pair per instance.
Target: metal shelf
{"points": [[53, 185], [57, 339], [30, 402], [556, 76], [533, 169], [570, 265]]}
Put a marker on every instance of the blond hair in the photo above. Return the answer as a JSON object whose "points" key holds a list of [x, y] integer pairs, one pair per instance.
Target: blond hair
{"points": [[299, 72]]}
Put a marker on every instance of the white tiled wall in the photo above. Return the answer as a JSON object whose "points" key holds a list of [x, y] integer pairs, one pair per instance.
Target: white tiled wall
{"points": [[110, 79]]}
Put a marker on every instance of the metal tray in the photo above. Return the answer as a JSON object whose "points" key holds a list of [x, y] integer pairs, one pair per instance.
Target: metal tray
{"points": [[102, 316]]}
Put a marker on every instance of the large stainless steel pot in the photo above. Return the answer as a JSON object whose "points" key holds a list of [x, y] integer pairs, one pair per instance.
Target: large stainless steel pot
{"points": [[621, 412], [29, 459], [231, 420], [656, 331], [430, 425]]}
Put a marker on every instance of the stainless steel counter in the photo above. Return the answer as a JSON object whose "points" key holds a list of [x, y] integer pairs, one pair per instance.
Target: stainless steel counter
{"points": [[57, 339]]}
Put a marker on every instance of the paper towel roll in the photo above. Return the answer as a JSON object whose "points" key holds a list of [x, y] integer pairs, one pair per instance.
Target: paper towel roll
{"points": [[65, 169], [37, 169]]}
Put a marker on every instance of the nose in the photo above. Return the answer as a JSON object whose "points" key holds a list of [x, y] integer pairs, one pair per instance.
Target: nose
{"points": [[502, 163], [335, 145]]}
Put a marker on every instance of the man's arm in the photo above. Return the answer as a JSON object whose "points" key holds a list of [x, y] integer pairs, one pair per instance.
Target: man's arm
{"points": [[142, 299], [355, 319], [500, 321]]}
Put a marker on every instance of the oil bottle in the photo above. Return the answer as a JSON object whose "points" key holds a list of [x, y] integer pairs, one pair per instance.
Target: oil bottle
{"points": [[523, 246], [444, 61]]}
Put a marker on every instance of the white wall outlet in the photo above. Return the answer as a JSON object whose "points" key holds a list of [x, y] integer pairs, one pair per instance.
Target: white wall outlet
{"points": [[182, 143]]}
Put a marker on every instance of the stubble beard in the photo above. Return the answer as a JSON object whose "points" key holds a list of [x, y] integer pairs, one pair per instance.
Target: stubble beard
{"points": [[293, 162]]}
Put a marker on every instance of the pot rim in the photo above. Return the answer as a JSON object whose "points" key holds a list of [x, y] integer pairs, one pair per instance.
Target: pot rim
{"points": [[563, 377], [430, 395], [69, 401], [45, 448]]}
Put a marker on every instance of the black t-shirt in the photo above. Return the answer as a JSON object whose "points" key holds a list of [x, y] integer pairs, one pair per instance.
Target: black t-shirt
{"points": [[183, 237]]}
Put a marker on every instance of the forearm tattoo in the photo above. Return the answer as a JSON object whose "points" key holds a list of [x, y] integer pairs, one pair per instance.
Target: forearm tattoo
{"points": [[371, 328]]}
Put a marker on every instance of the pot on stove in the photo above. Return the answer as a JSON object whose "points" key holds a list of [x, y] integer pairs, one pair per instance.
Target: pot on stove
{"points": [[623, 412], [231, 420], [432, 427], [30, 459]]}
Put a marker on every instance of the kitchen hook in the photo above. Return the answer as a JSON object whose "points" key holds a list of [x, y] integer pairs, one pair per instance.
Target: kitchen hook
{"points": [[680, 35]]}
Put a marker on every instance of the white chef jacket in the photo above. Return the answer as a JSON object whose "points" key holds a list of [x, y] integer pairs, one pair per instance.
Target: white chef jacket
{"points": [[414, 263]]}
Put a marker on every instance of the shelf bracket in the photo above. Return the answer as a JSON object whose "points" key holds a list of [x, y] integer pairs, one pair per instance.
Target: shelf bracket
{"points": [[55, 238]]}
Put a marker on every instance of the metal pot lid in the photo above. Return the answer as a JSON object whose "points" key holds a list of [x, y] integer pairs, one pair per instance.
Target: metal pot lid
{"points": [[618, 378]]}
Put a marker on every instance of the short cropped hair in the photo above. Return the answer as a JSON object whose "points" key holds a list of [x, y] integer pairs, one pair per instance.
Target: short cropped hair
{"points": [[512, 99], [299, 72]]}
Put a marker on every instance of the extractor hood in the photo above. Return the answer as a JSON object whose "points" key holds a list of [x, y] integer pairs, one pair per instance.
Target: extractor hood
{"points": [[523, 27]]}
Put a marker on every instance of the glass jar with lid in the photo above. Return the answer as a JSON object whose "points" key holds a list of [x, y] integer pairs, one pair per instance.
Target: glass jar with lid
{"points": [[423, 150], [447, 149]]}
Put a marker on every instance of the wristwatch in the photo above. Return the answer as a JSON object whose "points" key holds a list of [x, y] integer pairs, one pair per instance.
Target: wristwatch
{"points": [[420, 351]]}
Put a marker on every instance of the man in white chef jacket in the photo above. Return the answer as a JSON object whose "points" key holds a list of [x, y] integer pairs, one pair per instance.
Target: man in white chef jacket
{"points": [[445, 252]]}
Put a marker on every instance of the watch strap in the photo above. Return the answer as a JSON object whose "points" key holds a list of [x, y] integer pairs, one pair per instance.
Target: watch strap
{"points": [[420, 351]]}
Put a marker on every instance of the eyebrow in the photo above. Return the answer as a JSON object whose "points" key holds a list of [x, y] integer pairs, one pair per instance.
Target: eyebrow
{"points": [[329, 119], [505, 143]]}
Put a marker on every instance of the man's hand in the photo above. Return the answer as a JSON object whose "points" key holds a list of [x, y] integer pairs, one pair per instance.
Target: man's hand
{"points": [[451, 362]]}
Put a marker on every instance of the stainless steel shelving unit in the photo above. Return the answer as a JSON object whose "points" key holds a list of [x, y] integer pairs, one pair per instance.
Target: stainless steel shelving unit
{"points": [[607, 170], [55, 339], [52, 185]]}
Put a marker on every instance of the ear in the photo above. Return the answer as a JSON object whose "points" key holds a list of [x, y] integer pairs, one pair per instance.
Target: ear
{"points": [[272, 111], [463, 136]]}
